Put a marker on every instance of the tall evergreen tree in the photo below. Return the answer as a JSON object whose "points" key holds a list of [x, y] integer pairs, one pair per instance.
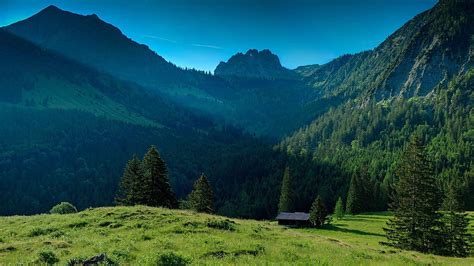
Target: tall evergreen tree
{"points": [[201, 198], [318, 212], [353, 197], [415, 225], [158, 190], [339, 209], [130, 188], [286, 194], [456, 238]]}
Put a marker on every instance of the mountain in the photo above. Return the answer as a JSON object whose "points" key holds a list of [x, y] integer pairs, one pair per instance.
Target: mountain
{"points": [[93, 42], [99, 45], [418, 81], [427, 51], [254, 64], [68, 130]]}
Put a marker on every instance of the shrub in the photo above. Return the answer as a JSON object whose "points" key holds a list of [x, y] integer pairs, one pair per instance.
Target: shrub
{"points": [[172, 259], [63, 208], [226, 224], [47, 257], [37, 231]]}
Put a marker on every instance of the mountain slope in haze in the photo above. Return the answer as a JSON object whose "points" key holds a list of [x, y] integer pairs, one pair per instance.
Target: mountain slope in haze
{"points": [[419, 81], [68, 130], [36, 78], [254, 64], [93, 42]]}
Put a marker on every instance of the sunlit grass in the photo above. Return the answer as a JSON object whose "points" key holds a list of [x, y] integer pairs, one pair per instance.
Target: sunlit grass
{"points": [[140, 235]]}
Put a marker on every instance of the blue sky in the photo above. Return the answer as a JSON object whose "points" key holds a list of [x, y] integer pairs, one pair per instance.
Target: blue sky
{"points": [[200, 34]]}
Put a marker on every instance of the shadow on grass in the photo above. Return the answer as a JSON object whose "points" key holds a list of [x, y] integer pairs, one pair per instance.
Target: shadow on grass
{"points": [[352, 231]]}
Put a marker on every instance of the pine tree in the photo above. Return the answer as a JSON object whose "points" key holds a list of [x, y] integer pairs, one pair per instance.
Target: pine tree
{"points": [[130, 188], [201, 198], [415, 225], [318, 212], [286, 194], [339, 209], [158, 189], [456, 238], [353, 197]]}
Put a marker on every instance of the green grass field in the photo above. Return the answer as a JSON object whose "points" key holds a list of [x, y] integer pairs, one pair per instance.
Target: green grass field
{"points": [[147, 236]]}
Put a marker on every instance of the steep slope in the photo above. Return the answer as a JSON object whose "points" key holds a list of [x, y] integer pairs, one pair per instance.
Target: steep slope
{"points": [[427, 51], [420, 80], [94, 42], [36, 78], [254, 64]]}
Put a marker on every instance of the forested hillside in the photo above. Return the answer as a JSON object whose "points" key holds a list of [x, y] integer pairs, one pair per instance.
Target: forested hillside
{"points": [[67, 131], [420, 80]]}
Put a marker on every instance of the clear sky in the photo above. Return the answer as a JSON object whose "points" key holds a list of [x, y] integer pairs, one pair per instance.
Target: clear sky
{"points": [[201, 33]]}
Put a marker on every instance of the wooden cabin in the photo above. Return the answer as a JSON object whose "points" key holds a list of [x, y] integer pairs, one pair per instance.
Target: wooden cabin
{"points": [[297, 219]]}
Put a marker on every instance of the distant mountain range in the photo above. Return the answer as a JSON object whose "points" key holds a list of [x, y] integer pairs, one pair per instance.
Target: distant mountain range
{"points": [[324, 120]]}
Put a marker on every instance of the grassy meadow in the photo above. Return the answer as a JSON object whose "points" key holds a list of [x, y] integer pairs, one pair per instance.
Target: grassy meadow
{"points": [[151, 236]]}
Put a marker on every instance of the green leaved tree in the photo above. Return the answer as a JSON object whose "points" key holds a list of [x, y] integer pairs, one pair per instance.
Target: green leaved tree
{"points": [[353, 197], [201, 198], [456, 238], [158, 189], [339, 209], [132, 183], [286, 194], [318, 213], [415, 225]]}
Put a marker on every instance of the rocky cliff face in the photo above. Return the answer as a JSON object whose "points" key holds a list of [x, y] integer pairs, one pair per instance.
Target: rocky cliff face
{"points": [[426, 52], [254, 64]]}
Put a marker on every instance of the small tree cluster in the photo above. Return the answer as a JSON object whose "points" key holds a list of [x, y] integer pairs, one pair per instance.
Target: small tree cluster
{"points": [[146, 182]]}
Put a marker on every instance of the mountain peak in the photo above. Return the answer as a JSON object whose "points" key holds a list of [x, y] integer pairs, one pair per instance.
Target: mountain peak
{"points": [[254, 64], [51, 8]]}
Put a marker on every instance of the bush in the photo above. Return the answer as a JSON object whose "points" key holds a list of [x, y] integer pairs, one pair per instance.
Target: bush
{"points": [[47, 257], [172, 259], [226, 224], [63, 208]]}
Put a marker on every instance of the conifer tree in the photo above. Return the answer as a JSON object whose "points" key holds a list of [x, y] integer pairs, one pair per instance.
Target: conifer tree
{"points": [[456, 238], [201, 198], [415, 225], [353, 197], [339, 209], [158, 189], [130, 187], [286, 194], [318, 212]]}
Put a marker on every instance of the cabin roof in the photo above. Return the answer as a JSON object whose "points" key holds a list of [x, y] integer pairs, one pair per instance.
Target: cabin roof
{"points": [[293, 216]]}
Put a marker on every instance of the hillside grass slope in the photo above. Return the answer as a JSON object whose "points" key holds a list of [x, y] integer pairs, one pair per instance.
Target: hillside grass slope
{"points": [[146, 236]]}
